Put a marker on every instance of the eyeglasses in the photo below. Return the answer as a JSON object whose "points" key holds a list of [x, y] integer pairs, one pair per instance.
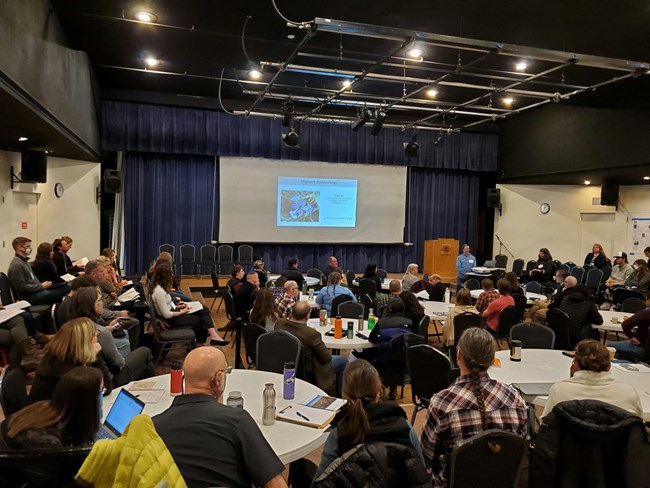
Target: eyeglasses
{"points": [[227, 370]]}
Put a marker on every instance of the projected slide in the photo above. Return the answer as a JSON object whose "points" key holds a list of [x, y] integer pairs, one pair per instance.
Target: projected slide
{"points": [[316, 202]]}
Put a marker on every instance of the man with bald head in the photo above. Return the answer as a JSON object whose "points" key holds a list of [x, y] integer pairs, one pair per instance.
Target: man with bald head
{"points": [[288, 299], [211, 443], [538, 311], [394, 290]]}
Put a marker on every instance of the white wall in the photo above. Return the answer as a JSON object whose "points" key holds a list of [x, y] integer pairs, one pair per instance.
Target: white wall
{"points": [[75, 214], [572, 226]]}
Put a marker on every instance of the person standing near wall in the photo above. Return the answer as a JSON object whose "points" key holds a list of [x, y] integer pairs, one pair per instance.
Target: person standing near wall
{"points": [[464, 264]]}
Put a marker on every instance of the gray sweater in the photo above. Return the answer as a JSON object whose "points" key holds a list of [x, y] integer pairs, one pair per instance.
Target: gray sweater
{"points": [[22, 278]]}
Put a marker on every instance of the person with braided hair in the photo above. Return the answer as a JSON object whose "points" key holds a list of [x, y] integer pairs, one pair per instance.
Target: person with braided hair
{"points": [[472, 404]]}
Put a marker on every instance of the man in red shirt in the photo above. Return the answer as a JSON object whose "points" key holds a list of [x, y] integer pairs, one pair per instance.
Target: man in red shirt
{"points": [[492, 313]]}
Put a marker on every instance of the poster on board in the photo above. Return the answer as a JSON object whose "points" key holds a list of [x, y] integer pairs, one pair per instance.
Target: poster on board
{"points": [[640, 236]]}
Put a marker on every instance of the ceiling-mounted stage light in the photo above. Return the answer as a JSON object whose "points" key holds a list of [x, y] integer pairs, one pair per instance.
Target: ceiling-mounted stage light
{"points": [[380, 117], [291, 139], [255, 74], [412, 149], [288, 109], [364, 117]]}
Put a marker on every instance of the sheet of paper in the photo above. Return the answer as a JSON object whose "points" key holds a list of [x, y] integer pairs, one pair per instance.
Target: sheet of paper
{"points": [[149, 384], [194, 306], [422, 294], [150, 396], [8, 314], [313, 322], [68, 277], [299, 414], [128, 296], [81, 262], [19, 305]]}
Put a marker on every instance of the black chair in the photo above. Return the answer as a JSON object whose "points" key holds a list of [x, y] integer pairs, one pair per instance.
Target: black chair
{"points": [[229, 304], [245, 255], [472, 284], [632, 305], [570, 264], [13, 387], [507, 319], [518, 266], [368, 287], [520, 305], [224, 258], [334, 309], [558, 321], [501, 261], [40, 313], [42, 467], [533, 336], [563, 267], [530, 265], [350, 276], [351, 310], [429, 370], [218, 291], [464, 321], [533, 287], [423, 327], [368, 303], [250, 334], [167, 248], [607, 272], [382, 273], [165, 337], [316, 273], [207, 258], [188, 257], [594, 280], [577, 272], [490, 459], [276, 348]]}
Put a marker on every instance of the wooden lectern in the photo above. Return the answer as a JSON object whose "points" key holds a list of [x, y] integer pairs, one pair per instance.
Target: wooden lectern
{"points": [[440, 258]]}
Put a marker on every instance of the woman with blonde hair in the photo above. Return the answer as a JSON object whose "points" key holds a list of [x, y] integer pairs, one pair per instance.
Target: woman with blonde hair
{"points": [[365, 418], [410, 276], [463, 305], [74, 345], [596, 257]]}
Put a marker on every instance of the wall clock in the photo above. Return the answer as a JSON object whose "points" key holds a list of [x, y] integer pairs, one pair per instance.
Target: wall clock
{"points": [[544, 208], [58, 190]]}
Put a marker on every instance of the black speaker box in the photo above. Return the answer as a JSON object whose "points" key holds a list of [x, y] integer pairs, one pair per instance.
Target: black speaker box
{"points": [[609, 194], [493, 197], [33, 166], [112, 181]]}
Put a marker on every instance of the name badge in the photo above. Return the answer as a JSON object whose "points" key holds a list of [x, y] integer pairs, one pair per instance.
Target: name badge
{"points": [[470, 261]]}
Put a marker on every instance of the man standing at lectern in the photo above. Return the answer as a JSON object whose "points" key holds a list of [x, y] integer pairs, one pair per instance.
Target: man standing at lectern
{"points": [[464, 264]]}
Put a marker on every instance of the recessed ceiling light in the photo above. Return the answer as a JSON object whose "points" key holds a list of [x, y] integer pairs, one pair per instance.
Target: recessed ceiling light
{"points": [[255, 74], [151, 61], [646, 177], [22, 139], [508, 100], [291, 36], [415, 53], [521, 66], [346, 83], [587, 182], [143, 16], [432, 92]]}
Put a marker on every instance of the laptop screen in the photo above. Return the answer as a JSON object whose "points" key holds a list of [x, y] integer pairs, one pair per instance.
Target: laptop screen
{"points": [[126, 407]]}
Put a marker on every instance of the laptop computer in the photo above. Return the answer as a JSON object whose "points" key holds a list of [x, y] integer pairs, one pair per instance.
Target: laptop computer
{"points": [[534, 389], [126, 407]]}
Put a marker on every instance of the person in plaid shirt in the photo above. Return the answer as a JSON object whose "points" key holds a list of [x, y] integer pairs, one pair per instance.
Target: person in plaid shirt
{"points": [[288, 299], [488, 296], [472, 404]]}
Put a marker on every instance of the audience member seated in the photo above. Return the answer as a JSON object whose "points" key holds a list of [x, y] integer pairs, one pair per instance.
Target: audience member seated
{"points": [[74, 345], [287, 300], [332, 265], [639, 280], [434, 287], [413, 309], [590, 379], [197, 427], [621, 271], [321, 367], [537, 313], [371, 274], [463, 305], [543, 270], [264, 311], [410, 276], [175, 290], [365, 419], [236, 279], [110, 291], [333, 289], [488, 295], [245, 297], [23, 281], [464, 264], [582, 314], [392, 322], [258, 267], [112, 273], [126, 362], [473, 403], [43, 266], [21, 339], [292, 273], [176, 314], [493, 312], [636, 328], [61, 260], [69, 419], [64, 309], [596, 258], [394, 291], [515, 287]]}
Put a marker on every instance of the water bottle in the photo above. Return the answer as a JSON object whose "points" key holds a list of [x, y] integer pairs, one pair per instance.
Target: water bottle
{"points": [[176, 379], [447, 295], [268, 397], [304, 288], [350, 331], [289, 389], [338, 327], [371, 319], [360, 323], [235, 400]]}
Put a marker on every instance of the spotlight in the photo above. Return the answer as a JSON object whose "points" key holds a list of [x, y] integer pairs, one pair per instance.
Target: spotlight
{"points": [[432, 93], [255, 74], [587, 182], [364, 117], [508, 100], [287, 113], [521, 66], [151, 62], [646, 178], [22, 139], [346, 83], [291, 139], [380, 117], [415, 53], [145, 16], [412, 149]]}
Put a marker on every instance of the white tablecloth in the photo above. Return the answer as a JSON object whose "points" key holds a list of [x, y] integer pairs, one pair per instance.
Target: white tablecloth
{"points": [[344, 343]]}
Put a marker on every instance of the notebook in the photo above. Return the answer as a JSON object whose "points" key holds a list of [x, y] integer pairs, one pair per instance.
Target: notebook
{"points": [[126, 407], [534, 389]]}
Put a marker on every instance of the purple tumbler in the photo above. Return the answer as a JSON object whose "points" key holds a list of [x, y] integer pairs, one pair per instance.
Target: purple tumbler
{"points": [[289, 390]]}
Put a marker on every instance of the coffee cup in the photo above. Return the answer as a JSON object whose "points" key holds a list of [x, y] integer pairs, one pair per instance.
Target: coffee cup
{"points": [[612, 353], [614, 320]]}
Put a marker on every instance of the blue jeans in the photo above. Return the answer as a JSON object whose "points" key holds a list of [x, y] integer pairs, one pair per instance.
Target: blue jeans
{"points": [[49, 295], [627, 350], [339, 363]]}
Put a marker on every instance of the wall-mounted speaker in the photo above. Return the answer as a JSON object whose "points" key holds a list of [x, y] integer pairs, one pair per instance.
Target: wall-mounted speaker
{"points": [[493, 197], [33, 166], [112, 181], [609, 194]]}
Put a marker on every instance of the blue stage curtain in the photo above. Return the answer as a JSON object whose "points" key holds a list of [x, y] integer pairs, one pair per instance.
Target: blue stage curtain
{"points": [[178, 130], [167, 199]]}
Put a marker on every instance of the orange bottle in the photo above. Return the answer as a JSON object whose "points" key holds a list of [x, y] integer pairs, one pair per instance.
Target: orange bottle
{"points": [[338, 327]]}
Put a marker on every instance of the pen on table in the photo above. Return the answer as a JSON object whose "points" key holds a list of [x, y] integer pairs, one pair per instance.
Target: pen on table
{"points": [[285, 409], [302, 416]]}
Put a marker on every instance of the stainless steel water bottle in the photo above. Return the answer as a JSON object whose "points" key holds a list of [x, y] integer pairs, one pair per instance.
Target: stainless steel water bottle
{"points": [[268, 415]]}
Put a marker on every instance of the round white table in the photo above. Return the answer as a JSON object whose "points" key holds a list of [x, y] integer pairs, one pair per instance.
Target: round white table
{"points": [[609, 325], [385, 283], [532, 297], [550, 366], [343, 343], [289, 441], [437, 310], [308, 279]]}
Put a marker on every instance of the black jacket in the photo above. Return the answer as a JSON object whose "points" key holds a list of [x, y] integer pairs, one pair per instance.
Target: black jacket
{"points": [[582, 314], [45, 270], [599, 262], [244, 300], [292, 274], [588, 443]]}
